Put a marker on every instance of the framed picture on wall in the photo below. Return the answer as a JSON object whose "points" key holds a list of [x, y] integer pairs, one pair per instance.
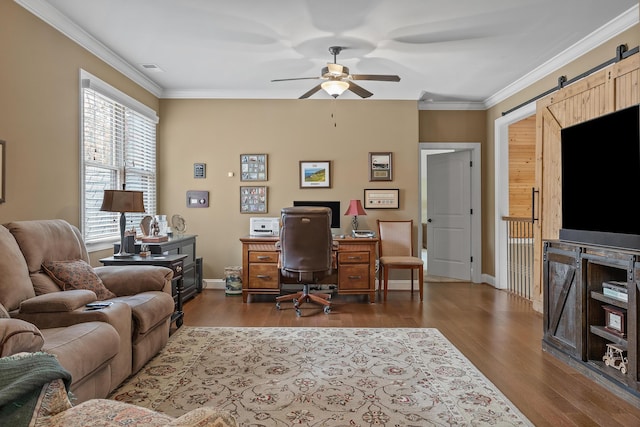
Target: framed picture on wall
{"points": [[253, 167], [253, 199], [315, 174], [382, 198], [380, 167]]}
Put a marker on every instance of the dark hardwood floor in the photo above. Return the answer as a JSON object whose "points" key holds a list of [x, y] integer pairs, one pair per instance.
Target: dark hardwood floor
{"points": [[498, 332]]}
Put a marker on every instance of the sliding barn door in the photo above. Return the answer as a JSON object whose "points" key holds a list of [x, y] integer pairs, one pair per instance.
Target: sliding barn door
{"points": [[610, 89]]}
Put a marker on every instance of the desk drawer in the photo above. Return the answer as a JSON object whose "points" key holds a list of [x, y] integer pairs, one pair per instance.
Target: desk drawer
{"points": [[257, 256], [263, 276], [353, 276], [353, 257]]}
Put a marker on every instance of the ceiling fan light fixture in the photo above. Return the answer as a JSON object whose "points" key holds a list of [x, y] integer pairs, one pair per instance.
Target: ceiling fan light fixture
{"points": [[335, 88]]}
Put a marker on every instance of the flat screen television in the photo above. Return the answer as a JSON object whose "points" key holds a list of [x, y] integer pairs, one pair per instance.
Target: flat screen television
{"points": [[334, 206], [600, 179]]}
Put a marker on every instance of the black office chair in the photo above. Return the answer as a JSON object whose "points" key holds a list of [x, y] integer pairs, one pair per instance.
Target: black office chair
{"points": [[306, 253]]}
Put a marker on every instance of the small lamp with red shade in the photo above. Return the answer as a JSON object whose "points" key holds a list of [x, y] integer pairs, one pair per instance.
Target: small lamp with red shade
{"points": [[355, 208]]}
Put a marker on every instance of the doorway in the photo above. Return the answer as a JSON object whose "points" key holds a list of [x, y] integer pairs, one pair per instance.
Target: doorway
{"points": [[501, 135], [474, 234]]}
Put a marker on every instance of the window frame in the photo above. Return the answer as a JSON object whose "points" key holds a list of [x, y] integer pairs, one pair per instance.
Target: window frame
{"points": [[131, 158]]}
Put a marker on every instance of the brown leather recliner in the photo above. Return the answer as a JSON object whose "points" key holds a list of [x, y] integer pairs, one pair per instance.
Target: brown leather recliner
{"points": [[306, 253], [140, 311]]}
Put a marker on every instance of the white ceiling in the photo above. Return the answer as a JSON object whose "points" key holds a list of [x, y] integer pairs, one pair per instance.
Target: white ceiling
{"points": [[445, 51]]}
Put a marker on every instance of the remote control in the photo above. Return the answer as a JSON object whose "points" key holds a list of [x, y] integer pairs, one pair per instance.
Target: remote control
{"points": [[98, 304]]}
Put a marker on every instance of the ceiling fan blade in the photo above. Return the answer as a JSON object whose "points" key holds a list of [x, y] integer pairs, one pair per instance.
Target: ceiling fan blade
{"points": [[359, 90], [379, 77], [296, 78], [311, 92]]}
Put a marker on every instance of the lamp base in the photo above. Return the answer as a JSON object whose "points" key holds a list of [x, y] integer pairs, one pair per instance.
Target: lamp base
{"points": [[122, 253]]}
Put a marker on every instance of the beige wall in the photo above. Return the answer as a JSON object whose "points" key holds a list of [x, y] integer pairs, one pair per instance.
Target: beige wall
{"points": [[39, 115], [216, 132], [463, 126], [39, 101]]}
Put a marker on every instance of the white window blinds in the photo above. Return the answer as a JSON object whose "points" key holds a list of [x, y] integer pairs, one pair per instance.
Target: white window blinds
{"points": [[118, 147]]}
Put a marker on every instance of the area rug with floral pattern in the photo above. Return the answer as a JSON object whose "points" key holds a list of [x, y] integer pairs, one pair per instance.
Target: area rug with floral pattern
{"points": [[320, 377]]}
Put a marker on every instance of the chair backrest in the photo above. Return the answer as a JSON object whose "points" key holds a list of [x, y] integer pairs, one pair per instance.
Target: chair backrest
{"points": [[396, 237], [305, 242]]}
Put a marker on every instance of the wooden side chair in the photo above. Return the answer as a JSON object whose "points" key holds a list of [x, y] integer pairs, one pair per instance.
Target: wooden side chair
{"points": [[396, 251]]}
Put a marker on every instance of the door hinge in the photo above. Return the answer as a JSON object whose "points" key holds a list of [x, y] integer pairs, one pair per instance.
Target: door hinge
{"points": [[471, 259], [471, 211], [470, 163]]}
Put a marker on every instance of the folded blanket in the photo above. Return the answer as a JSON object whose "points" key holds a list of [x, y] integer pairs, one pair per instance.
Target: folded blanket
{"points": [[22, 377]]}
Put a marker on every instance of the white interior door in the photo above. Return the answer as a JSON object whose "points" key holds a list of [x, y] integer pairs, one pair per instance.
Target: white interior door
{"points": [[449, 215]]}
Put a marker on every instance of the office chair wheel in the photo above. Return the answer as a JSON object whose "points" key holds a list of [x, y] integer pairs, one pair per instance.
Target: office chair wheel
{"points": [[327, 309], [278, 305], [298, 312]]}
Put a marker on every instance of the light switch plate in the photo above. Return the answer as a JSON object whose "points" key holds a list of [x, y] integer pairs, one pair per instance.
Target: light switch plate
{"points": [[197, 199]]}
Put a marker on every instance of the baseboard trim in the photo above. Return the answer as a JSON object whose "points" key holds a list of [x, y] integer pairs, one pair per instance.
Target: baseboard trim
{"points": [[395, 285], [213, 284]]}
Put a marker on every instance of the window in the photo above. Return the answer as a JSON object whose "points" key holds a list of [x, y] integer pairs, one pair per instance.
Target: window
{"points": [[118, 146]]}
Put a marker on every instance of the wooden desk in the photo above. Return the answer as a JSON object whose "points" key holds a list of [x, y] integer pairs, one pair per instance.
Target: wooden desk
{"points": [[356, 259]]}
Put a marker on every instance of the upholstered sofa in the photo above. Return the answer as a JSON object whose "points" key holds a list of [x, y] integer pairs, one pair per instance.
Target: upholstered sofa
{"points": [[34, 385], [46, 280]]}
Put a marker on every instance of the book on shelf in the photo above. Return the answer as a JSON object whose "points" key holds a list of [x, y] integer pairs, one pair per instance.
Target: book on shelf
{"points": [[615, 285], [622, 296]]}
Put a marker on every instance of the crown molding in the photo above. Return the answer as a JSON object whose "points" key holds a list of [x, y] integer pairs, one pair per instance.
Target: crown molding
{"points": [[451, 105], [53, 17], [603, 34]]}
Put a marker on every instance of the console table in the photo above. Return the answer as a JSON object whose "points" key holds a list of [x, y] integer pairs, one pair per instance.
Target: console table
{"points": [[592, 313], [356, 272], [179, 244], [174, 262]]}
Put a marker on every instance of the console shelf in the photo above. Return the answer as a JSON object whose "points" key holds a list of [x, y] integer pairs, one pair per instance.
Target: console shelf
{"points": [[583, 326]]}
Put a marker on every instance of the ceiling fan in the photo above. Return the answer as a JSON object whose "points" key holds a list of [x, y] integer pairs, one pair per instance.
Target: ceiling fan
{"points": [[337, 79]]}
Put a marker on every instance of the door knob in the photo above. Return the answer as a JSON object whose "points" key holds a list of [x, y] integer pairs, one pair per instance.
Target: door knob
{"points": [[429, 220]]}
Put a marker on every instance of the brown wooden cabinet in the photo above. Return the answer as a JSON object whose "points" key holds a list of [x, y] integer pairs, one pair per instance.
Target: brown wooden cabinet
{"points": [[263, 270], [590, 308], [563, 298], [353, 270], [174, 262], [181, 244]]}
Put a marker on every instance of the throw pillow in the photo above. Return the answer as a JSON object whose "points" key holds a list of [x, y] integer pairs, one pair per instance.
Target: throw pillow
{"points": [[76, 274]]}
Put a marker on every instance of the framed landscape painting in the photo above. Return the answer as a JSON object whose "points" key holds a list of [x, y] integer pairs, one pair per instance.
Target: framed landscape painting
{"points": [[315, 174]]}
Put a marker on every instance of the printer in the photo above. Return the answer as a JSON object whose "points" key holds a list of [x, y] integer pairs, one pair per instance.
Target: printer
{"points": [[264, 226]]}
